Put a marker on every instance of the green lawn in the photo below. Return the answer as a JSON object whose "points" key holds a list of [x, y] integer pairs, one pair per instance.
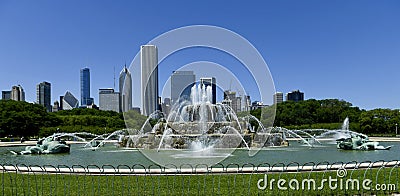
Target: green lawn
{"points": [[201, 184]]}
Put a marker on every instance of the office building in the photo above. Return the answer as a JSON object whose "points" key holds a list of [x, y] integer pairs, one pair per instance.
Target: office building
{"points": [[56, 106], [109, 100], [43, 95], [210, 81], [234, 102], [5, 95], [125, 90], [61, 102], [17, 93], [238, 104], [181, 85], [295, 96], [257, 105], [85, 87], [69, 101], [149, 79], [278, 97], [247, 103]]}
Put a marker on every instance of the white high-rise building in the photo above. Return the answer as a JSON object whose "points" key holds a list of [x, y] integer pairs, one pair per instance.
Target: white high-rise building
{"points": [[278, 97], [246, 103], [17, 93], [109, 100], [125, 90], [149, 79]]}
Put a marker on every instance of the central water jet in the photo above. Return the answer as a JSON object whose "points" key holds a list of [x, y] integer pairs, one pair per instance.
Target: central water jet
{"points": [[197, 124]]}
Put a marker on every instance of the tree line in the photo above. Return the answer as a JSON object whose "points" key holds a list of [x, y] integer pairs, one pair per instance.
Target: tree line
{"points": [[28, 119], [330, 114], [18, 118]]}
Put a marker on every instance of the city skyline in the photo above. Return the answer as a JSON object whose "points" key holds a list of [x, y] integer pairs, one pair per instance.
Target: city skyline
{"points": [[344, 50]]}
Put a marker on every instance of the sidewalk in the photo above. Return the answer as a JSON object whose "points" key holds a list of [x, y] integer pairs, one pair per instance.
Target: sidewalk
{"points": [[385, 139], [18, 143]]}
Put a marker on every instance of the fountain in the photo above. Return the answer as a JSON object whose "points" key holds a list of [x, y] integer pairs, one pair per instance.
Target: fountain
{"points": [[196, 124], [333, 135], [357, 141], [346, 124], [349, 140]]}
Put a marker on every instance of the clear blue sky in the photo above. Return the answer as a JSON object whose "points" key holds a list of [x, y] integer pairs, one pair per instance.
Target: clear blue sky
{"points": [[329, 49]]}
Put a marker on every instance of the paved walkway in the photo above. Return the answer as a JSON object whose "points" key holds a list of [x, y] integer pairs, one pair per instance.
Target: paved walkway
{"points": [[385, 139], [26, 143]]}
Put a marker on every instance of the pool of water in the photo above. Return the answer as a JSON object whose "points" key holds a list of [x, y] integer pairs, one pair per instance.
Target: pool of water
{"points": [[111, 155]]}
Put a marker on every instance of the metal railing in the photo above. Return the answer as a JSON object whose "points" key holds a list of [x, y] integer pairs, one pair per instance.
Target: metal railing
{"points": [[381, 178]]}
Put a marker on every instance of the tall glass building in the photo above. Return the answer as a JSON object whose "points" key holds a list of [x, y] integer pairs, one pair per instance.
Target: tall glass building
{"points": [[6, 95], [85, 87], [43, 94], [149, 79], [125, 90], [295, 96], [181, 85]]}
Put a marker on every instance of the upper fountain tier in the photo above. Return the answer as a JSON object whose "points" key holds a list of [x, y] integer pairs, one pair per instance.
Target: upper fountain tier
{"points": [[201, 94], [198, 115], [199, 109]]}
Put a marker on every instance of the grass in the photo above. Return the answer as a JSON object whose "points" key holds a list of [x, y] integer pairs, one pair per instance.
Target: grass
{"points": [[13, 183]]}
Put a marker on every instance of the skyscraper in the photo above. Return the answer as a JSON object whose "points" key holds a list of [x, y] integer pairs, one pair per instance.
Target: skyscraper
{"points": [[210, 81], [61, 102], [69, 101], [247, 103], [234, 102], [295, 96], [43, 93], [278, 97], [181, 84], [125, 90], [85, 87], [149, 79], [109, 100], [17, 93], [6, 95]]}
